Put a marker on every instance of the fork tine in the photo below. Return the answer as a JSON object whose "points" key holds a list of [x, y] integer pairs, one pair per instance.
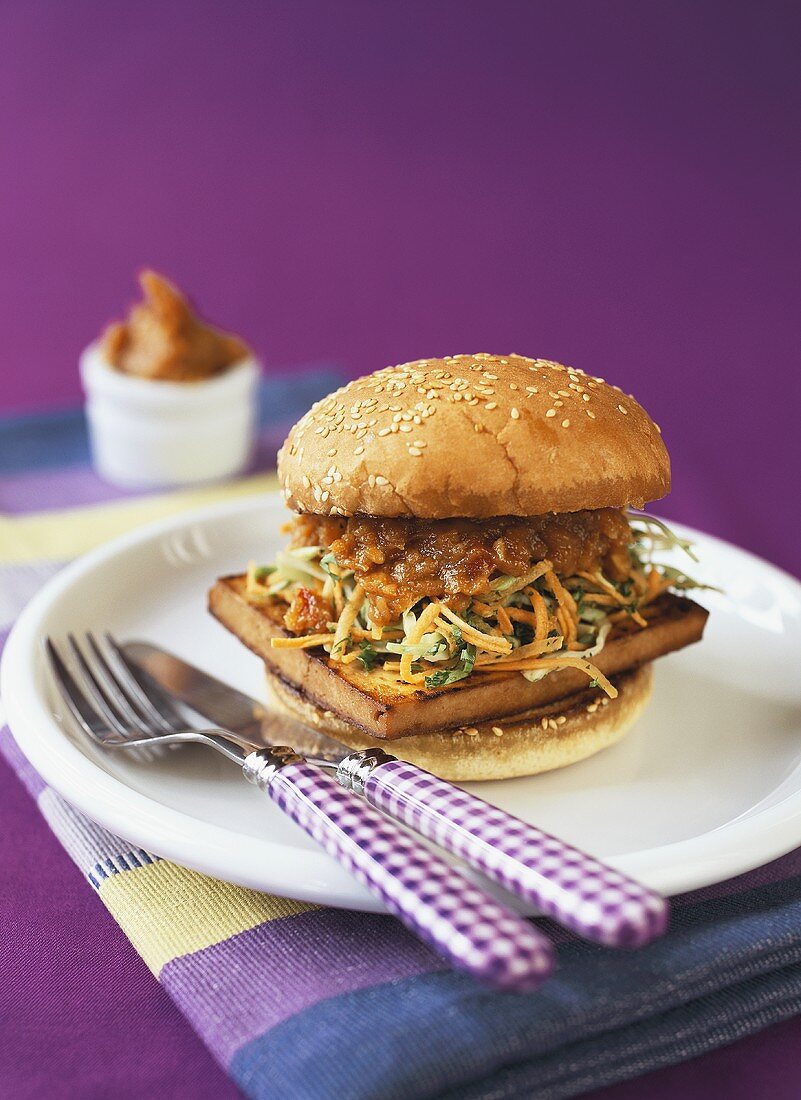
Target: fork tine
{"points": [[91, 687], [147, 696], [80, 709], [113, 687], [107, 683]]}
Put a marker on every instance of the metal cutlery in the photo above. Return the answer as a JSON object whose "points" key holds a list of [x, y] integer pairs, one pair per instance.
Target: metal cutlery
{"points": [[473, 931], [594, 900]]}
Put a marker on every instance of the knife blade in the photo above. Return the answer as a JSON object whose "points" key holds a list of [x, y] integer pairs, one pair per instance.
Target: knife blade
{"points": [[252, 722]]}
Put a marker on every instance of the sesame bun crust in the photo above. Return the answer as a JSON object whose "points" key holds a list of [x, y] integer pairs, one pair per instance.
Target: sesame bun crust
{"points": [[524, 746], [474, 436]]}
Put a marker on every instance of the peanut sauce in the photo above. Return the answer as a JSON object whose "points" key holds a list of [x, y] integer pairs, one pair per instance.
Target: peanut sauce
{"points": [[398, 561], [163, 340]]}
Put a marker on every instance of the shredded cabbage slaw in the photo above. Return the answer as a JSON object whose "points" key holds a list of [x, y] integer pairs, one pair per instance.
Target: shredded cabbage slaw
{"points": [[532, 624]]}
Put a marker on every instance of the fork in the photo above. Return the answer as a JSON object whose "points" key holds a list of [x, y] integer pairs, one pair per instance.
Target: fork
{"points": [[461, 922], [592, 899]]}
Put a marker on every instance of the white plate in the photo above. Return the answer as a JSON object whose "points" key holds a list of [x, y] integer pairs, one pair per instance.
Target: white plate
{"points": [[707, 785]]}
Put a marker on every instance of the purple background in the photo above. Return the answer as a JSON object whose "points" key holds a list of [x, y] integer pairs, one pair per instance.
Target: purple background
{"points": [[614, 184]]}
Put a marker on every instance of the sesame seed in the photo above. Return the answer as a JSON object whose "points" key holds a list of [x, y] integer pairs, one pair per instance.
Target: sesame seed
{"points": [[385, 431], [565, 423], [514, 413], [415, 451], [306, 482], [560, 721], [590, 413], [624, 411], [585, 397], [359, 451], [491, 405], [551, 412], [497, 731], [381, 480]]}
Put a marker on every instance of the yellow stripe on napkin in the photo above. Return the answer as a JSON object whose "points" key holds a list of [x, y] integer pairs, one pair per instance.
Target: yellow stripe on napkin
{"points": [[62, 535], [168, 911]]}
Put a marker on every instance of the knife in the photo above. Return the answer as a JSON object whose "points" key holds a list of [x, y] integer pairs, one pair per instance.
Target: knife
{"points": [[594, 900], [253, 723]]}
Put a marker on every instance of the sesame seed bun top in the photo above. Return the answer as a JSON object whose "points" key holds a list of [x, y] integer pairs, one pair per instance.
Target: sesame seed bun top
{"points": [[475, 436]]}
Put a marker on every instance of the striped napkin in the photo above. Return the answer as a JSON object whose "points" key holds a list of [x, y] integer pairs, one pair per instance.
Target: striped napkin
{"points": [[300, 1001]]}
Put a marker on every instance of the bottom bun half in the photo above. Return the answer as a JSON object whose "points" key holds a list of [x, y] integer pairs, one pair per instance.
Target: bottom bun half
{"points": [[552, 736]]}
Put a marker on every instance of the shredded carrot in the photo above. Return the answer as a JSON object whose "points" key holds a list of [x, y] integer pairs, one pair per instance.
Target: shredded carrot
{"points": [[618, 597], [477, 637], [483, 608], [601, 599], [406, 668], [504, 621], [566, 604], [347, 619], [523, 652], [305, 642], [585, 666], [518, 615], [427, 619], [607, 586], [541, 613], [394, 667], [446, 630], [383, 635]]}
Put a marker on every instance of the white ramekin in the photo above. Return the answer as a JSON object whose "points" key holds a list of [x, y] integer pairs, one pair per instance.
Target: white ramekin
{"points": [[147, 434]]}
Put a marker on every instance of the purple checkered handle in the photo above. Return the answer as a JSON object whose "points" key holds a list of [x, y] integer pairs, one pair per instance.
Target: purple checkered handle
{"points": [[456, 918], [595, 901]]}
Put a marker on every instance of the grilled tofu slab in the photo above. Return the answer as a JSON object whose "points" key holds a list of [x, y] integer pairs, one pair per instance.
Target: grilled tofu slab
{"points": [[375, 701]]}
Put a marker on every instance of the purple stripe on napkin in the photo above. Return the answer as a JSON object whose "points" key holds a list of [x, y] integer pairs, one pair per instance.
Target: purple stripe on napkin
{"points": [[32, 781], [77, 486], [238, 989]]}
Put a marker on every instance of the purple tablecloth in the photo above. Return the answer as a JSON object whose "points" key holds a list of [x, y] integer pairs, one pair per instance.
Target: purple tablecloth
{"points": [[84, 1017]]}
